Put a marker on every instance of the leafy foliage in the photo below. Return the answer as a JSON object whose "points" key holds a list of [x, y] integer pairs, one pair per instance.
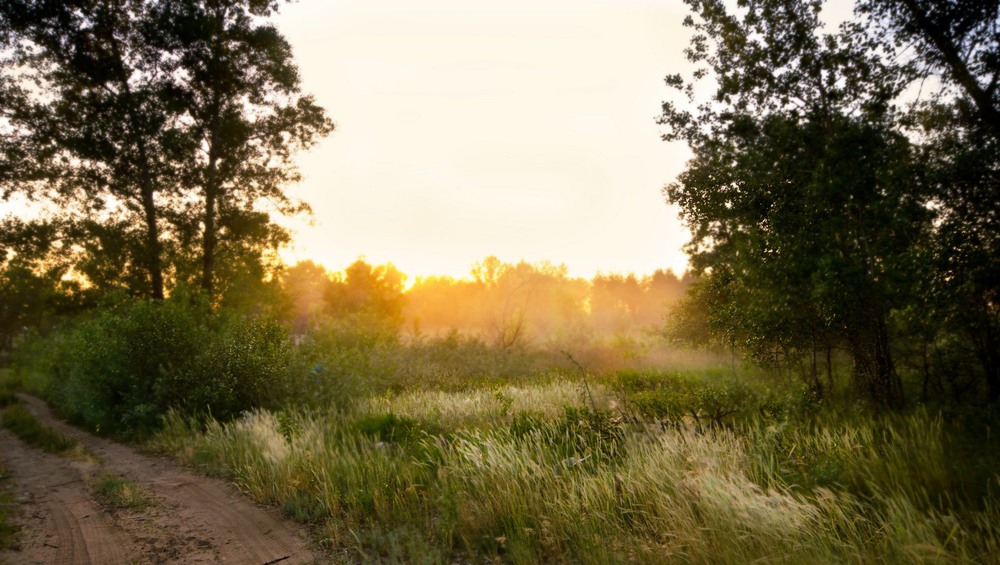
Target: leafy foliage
{"points": [[158, 130], [121, 370], [823, 201], [677, 400]]}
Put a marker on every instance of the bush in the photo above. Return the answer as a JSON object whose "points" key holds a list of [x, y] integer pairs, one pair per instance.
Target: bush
{"points": [[244, 365], [127, 365], [672, 398], [121, 370]]}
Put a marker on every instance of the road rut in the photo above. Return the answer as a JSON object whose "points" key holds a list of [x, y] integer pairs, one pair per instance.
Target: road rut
{"points": [[193, 519]]}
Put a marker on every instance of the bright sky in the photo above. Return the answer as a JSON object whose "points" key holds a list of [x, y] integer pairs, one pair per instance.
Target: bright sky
{"points": [[523, 129]]}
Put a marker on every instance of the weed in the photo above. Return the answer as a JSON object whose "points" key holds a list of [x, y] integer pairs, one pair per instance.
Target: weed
{"points": [[119, 492], [535, 474], [23, 424]]}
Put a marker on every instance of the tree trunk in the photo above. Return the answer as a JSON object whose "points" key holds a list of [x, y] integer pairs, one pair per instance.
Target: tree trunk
{"points": [[829, 368], [153, 260], [874, 373], [984, 340], [209, 237], [816, 384], [147, 186]]}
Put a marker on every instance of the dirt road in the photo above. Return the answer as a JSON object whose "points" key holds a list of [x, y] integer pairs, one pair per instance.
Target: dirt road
{"points": [[193, 519]]}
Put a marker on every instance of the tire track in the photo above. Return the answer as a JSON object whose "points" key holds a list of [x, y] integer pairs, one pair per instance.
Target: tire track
{"points": [[195, 519], [62, 523]]}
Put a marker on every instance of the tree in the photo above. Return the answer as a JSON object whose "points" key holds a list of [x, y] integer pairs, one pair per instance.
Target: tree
{"points": [[32, 290], [246, 117], [94, 135], [169, 125], [957, 43], [802, 197], [372, 293]]}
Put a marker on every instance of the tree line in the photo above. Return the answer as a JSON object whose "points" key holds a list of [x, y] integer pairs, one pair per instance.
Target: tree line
{"points": [[506, 305]]}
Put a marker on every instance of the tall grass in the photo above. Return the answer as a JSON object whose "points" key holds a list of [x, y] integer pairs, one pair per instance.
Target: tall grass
{"points": [[539, 473]]}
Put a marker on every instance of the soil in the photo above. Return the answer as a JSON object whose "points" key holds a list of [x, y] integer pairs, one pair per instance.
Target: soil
{"points": [[192, 519]]}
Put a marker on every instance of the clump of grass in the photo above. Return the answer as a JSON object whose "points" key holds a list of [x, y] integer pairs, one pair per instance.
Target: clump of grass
{"points": [[8, 529], [482, 407], [24, 425], [119, 492]]}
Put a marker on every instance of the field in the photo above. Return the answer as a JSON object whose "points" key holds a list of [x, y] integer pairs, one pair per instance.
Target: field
{"points": [[567, 470], [449, 449]]}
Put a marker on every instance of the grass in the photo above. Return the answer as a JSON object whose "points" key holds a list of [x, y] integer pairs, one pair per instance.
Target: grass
{"points": [[23, 424], [8, 529], [119, 492], [542, 473]]}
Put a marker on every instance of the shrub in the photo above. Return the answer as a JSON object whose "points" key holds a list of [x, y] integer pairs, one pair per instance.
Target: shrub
{"points": [[121, 370], [244, 365], [672, 398]]}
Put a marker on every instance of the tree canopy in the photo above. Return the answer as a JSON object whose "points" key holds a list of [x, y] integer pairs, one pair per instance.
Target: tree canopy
{"points": [[823, 198], [162, 132]]}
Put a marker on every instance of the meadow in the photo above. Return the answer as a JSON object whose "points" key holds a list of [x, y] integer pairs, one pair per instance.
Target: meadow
{"points": [[449, 448], [563, 471]]}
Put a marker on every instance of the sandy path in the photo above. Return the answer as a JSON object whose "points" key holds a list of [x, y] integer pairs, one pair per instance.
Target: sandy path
{"points": [[194, 519]]}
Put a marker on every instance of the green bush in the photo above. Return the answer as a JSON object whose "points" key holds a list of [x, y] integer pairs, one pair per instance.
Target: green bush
{"points": [[126, 365], [342, 358], [673, 398], [119, 371], [244, 365]]}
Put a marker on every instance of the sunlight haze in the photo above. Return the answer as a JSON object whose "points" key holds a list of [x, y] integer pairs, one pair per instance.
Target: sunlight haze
{"points": [[524, 130]]}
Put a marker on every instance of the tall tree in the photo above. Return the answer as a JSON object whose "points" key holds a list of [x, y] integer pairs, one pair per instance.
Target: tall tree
{"points": [[170, 126], [241, 93], [801, 195], [88, 122], [956, 44]]}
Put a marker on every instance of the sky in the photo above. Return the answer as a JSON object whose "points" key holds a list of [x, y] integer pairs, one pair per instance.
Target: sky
{"points": [[523, 129], [520, 129]]}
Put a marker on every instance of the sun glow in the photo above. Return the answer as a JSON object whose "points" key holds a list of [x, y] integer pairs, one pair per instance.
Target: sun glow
{"points": [[524, 130]]}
